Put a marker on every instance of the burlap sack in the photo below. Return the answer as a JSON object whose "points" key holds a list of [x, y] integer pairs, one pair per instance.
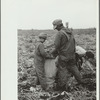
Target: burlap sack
{"points": [[50, 71]]}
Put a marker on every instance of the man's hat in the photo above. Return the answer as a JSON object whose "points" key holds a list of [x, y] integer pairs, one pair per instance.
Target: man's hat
{"points": [[57, 22], [43, 35]]}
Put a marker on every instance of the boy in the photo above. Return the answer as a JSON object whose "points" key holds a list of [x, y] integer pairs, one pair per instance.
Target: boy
{"points": [[39, 59]]}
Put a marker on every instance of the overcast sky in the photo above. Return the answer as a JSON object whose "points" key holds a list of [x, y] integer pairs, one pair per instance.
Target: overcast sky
{"points": [[39, 14]]}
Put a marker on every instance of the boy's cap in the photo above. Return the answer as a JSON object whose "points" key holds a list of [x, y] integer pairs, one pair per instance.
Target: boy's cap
{"points": [[43, 35]]}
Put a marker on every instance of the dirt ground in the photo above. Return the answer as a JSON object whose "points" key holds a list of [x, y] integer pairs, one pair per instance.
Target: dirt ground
{"points": [[27, 79]]}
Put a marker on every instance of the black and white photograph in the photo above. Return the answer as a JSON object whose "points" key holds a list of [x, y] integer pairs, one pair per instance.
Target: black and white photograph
{"points": [[56, 49]]}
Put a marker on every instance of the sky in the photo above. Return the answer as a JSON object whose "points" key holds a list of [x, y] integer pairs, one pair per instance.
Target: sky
{"points": [[39, 14]]}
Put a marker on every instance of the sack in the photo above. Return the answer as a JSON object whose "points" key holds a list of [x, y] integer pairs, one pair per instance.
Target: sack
{"points": [[50, 68], [50, 71]]}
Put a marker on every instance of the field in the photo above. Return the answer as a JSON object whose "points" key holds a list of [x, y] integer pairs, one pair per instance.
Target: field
{"points": [[86, 38]]}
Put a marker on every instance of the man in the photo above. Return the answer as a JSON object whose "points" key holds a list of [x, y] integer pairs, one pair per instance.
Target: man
{"points": [[65, 49], [80, 53], [67, 27], [84, 57]]}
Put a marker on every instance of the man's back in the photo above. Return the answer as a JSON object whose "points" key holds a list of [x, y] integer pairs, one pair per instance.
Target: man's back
{"points": [[65, 44]]}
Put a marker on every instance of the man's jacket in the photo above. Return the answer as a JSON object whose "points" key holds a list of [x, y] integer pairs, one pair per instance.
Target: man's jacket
{"points": [[64, 45]]}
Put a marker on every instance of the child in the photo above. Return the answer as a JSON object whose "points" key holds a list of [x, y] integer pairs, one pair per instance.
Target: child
{"points": [[39, 59]]}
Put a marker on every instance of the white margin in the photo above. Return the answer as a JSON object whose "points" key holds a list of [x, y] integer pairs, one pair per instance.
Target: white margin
{"points": [[97, 53]]}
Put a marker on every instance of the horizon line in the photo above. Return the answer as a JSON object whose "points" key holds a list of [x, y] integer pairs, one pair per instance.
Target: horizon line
{"points": [[53, 29]]}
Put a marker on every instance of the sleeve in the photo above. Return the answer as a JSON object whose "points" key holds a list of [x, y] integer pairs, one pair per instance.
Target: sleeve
{"points": [[57, 42], [43, 53], [42, 50]]}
